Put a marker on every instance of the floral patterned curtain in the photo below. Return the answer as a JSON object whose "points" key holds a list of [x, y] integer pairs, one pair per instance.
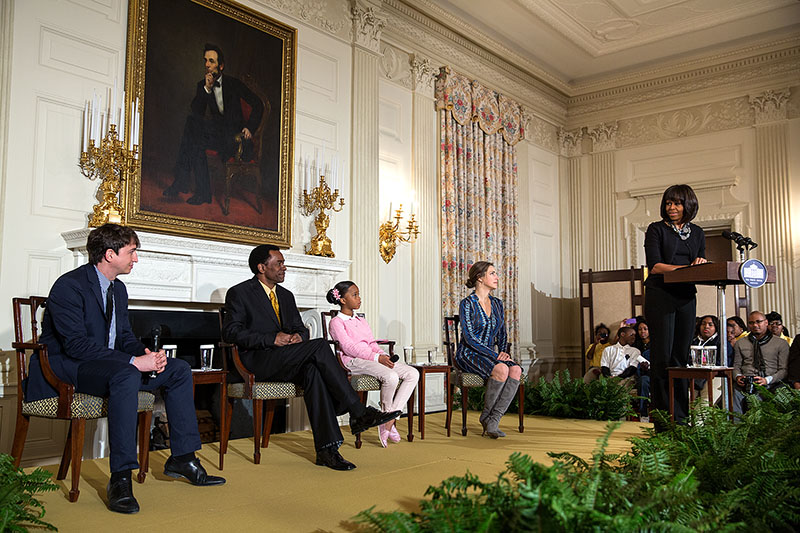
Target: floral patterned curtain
{"points": [[478, 130]]}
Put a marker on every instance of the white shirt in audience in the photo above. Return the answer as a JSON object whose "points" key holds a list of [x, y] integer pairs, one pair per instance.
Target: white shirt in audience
{"points": [[618, 357]]}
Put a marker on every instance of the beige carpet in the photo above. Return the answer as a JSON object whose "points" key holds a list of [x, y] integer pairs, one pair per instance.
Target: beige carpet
{"points": [[287, 492]]}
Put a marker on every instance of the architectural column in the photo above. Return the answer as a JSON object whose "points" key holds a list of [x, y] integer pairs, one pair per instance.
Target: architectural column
{"points": [[367, 26], [570, 178], [426, 278], [603, 203], [774, 212]]}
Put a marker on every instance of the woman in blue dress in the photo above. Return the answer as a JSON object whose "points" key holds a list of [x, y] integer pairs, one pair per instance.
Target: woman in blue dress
{"points": [[483, 346]]}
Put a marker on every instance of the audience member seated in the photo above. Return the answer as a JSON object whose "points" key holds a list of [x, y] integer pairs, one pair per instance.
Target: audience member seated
{"points": [[642, 343], [263, 321], [736, 329], [707, 334], [622, 359], [595, 351], [775, 321], [793, 373], [362, 355], [90, 344], [760, 358]]}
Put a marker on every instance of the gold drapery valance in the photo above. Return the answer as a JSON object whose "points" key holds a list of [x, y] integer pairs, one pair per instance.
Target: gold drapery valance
{"points": [[472, 101]]}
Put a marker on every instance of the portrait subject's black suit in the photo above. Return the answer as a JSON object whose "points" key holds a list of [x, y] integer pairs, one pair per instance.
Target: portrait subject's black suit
{"points": [[209, 128], [74, 330], [251, 324]]}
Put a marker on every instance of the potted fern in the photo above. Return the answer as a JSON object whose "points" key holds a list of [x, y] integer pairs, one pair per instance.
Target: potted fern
{"points": [[19, 508]]}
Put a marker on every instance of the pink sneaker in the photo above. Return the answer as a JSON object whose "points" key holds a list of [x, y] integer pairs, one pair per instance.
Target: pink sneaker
{"points": [[394, 436], [383, 434]]}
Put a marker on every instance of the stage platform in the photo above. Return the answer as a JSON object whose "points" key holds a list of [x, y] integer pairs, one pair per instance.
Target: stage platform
{"points": [[288, 492]]}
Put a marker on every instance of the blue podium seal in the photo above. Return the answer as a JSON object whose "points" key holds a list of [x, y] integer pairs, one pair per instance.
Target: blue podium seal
{"points": [[753, 273]]}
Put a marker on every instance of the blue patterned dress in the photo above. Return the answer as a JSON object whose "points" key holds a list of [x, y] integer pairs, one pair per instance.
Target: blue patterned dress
{"points": [[480, 334]]}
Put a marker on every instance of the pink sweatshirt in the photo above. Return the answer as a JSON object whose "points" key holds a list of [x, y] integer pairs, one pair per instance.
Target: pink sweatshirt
{"points": [[355, 338]]}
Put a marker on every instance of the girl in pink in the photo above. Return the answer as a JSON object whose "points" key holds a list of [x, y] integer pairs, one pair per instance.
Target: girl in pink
{"points": [[362, 355]]}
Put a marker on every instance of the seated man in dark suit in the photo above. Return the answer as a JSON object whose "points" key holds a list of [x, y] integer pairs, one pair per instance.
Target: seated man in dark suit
{"points": [[90, 344], [263, 321], [759, 359]]}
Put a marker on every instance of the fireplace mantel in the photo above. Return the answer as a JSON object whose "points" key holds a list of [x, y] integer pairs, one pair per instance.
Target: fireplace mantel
{"points": [[182, 269]]}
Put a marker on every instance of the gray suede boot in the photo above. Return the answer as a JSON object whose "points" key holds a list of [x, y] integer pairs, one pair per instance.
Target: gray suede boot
{"points": [[493, 388], [503, 401]]}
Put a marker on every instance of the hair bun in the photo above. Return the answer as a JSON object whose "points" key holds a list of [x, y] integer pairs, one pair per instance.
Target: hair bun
{"points": [[331, 299], [470, 284]]}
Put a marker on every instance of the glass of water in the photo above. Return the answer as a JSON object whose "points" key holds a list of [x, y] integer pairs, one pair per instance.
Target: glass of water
{"points": [[171, 350], [206, 356], [407, 354]]}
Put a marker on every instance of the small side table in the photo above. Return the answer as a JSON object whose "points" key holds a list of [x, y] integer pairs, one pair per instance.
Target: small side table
{"points": [[423, 371], [203, 377], [699, 372]]}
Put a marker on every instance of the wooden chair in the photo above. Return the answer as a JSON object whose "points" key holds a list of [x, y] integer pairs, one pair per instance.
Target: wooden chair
{"points": [[361, 383], [466, 380], [236, 167], [257, 391], [68, 405]]}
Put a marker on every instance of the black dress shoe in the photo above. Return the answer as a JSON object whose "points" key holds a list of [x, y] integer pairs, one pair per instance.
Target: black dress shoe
{"points": [[120, 496], [333, 459], [174, 190], [198, 200], [371, 418], [191, 470]]}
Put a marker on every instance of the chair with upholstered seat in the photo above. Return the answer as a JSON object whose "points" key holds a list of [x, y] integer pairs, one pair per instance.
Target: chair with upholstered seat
{"points": [[361, 383], [467, 380], [264, 395], [68, 405]]}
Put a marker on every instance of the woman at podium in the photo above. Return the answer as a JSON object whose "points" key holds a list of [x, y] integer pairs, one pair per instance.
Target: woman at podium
{"points": [[669, 244]]}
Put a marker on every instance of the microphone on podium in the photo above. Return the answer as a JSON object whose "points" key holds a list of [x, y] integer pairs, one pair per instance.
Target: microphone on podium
{"points": [[739, 239]]}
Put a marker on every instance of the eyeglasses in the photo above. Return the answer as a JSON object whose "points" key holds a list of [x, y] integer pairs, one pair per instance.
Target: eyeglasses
{"points": [[754, 322]]}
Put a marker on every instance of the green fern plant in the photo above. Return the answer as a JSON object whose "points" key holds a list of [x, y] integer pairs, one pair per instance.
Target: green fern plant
{"points": [[19, 509], [712, 474]]}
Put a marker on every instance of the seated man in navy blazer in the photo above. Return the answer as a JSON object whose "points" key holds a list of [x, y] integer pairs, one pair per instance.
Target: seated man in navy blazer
{"points": [[90, 344], [263, 321]]}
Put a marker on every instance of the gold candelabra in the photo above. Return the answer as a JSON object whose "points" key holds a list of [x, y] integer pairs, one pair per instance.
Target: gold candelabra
{"points": [[112, 162], [321, 197], [390, 234]]}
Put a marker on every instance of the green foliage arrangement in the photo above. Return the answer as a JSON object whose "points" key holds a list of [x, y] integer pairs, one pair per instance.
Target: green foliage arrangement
{"points": [[566, 397], [19, 509], [713, 474]]}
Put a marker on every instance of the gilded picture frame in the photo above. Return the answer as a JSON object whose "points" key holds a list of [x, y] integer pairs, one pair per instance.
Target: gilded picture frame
{"points": [[212, 165]]}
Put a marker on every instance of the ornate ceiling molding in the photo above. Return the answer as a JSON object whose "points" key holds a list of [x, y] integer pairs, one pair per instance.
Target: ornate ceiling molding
{"points": [[331, 17], [770, 106], [570, 142], [368, 23], [418, 32], [423, 73], [604, 136]]}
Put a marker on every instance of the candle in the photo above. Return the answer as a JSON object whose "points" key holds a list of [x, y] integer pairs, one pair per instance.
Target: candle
{"points": [[307, 174], [122, 121], [322, 163], [390, 211], [114, 103], [85, 130], [334, 175], [95, 116], [131, 117]]}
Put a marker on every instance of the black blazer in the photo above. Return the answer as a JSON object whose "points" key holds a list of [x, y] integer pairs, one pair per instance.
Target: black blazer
{"points": [[74, 330], [250, 320], [232, 120], [660, 246]]}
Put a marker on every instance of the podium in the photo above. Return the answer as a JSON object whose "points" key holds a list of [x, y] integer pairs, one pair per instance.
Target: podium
{"points": [[720, 275]]}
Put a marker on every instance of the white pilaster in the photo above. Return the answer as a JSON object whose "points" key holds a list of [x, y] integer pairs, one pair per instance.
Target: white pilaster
{"points": [[603, 202], [426, 275], [570, 179], [367, 26], [774, 212]]}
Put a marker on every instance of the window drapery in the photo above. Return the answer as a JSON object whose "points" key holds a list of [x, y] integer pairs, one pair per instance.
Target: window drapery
{"points": [[478, 130]]}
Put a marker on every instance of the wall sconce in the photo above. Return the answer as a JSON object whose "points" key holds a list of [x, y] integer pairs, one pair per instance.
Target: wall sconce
{"points": [[390, 233]]}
